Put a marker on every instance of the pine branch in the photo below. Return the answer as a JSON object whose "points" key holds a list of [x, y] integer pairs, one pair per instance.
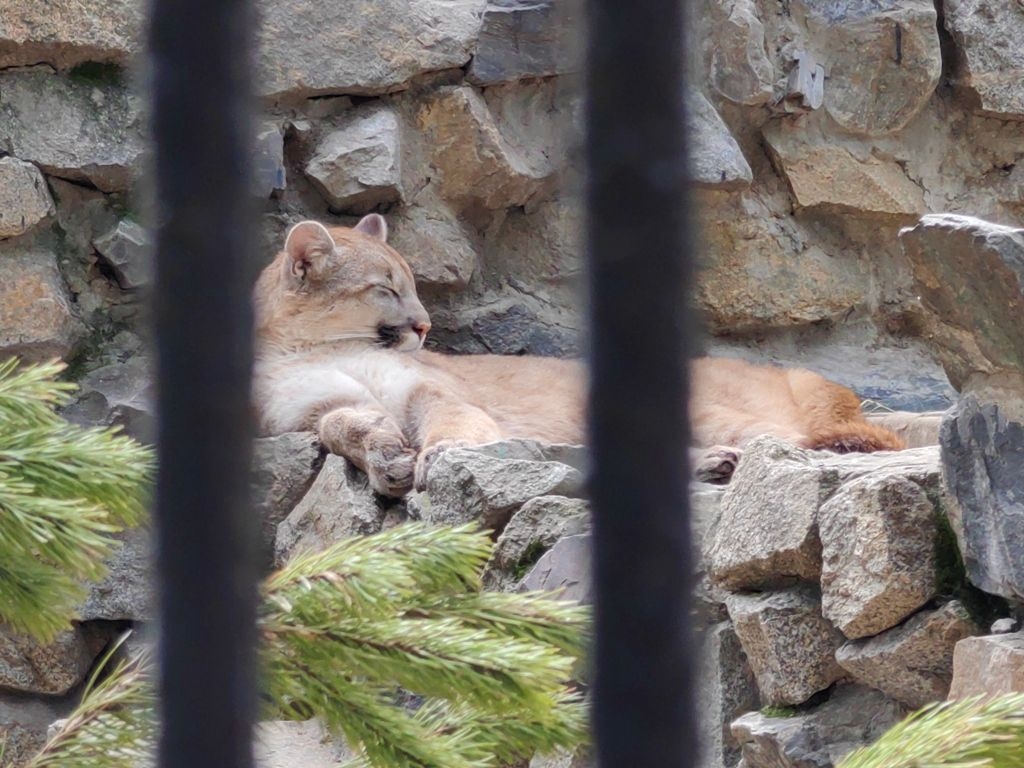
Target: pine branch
{"points": [[972, 733]]}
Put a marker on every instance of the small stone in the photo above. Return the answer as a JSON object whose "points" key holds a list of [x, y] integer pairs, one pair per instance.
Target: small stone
{"points": [[990, 53], [716, 159], [120, 394], [789, 644], [357, 167], [36, 322], [77, 130], [467, 485], [988, 666], [878, 536], [340, 504], [127, 249], [284, 468], [563, 759], [912, 663], [524, 38], [854, 716], [289, 743], [24, 198], [725, 689], [768, 529], [65, 33], [1004, 626], [565, 569], [54, 668], [829, 179]]}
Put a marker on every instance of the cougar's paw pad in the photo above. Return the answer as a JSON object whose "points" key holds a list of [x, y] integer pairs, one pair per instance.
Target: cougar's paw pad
{"points": [[427, 458], [717, 464], [391, 468]]}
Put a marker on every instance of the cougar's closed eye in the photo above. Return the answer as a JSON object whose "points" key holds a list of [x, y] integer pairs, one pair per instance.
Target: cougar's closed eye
{"points": [[385, 290]]}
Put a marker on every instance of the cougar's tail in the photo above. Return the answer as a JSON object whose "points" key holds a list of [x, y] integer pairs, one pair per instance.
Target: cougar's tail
{"points": [[856, 437]]}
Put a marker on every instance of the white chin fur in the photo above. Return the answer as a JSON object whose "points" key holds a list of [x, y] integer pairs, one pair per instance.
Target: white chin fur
{"points": [[410, 342]]}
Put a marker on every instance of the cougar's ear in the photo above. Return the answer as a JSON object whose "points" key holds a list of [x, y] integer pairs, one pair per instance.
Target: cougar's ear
{"points": [[373, 224], [308, 244]]}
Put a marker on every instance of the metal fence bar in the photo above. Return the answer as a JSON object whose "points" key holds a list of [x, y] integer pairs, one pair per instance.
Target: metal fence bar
{"points": [[200, 69], [638, 246]]}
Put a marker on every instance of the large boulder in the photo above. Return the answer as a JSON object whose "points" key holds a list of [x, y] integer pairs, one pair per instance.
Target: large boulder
{"points": [[36, 321], [53, 668], [524, 38], [126, 592], [127, 249], [725, 689], [990, 53], [989, 665], [737, 65]]}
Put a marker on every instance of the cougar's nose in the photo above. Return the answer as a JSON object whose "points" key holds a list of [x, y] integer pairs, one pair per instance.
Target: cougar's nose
{"points": [[421, 328]]}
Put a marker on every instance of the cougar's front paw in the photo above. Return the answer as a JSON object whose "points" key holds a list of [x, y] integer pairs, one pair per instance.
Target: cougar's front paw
{"points": [[717, 464], [391, 466], [427, 458]]}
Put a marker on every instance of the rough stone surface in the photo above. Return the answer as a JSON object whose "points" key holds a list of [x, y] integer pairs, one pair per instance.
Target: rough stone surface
{"points": [[284, 468], [64, 33], [340, 504], [564, 568], [561, 759], [988, 666], [55, 668], [738, 67], [24, 198], [789, 644], [24, 721], [828, 178], [531, 531], [542, 248], [357, 167], [477, 165], [970, 275], [119, 394], [36, 322], [917, 429], [912, 663], [524, 38], [878, 538], [126, 592], [852, 717], [72, 128], [439, 249], [289, 743], [466, 484], [991, 53], [309, 48], [126, 248], [878, 78], [983, 466], [768, 531], [725, 689], [715, 158]]}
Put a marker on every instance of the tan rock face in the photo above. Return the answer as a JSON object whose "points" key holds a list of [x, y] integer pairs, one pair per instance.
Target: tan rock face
{"points": [[24, 198], [988, 33], [988, 666], [35, 316], [738, 66], [829, 179]]}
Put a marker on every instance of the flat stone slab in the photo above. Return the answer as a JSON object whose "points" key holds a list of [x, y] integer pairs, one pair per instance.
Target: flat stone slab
{"points": [[990, 665]]}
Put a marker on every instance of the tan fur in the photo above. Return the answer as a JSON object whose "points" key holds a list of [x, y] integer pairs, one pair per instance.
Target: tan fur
{"points": [[323, 364]]}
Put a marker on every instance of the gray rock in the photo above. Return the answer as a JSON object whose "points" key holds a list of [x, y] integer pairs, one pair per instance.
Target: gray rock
{"points": [[524, 38], [983, 466], [883, 60], [75, 129], [564, 568], [308, 48], [768, 528], [55, 668], [1004, 626], [725, 689], [716, 159], [125, 593], [562, 759], [357, 167], [36, 321], [912, 663], [340, 504], [24, 722], [828, 178], [65, 33], [24, 198], [988, 666], [289, 743], [970, 315], [268, 161], [119, 394], [789, 644], [853, 717], [284, 468], [439, 249], [990, 60], [879, 565], [465, 484], [917, 429], [127, 249], [734, 51]]}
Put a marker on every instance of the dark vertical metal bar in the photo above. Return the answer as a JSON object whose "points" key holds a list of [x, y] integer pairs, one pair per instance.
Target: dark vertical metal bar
{"points": [[638, 246], [200, 55]]}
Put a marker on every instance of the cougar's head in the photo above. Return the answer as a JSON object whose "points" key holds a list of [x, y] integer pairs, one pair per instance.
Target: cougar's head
{"points": [[339, 284]]}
